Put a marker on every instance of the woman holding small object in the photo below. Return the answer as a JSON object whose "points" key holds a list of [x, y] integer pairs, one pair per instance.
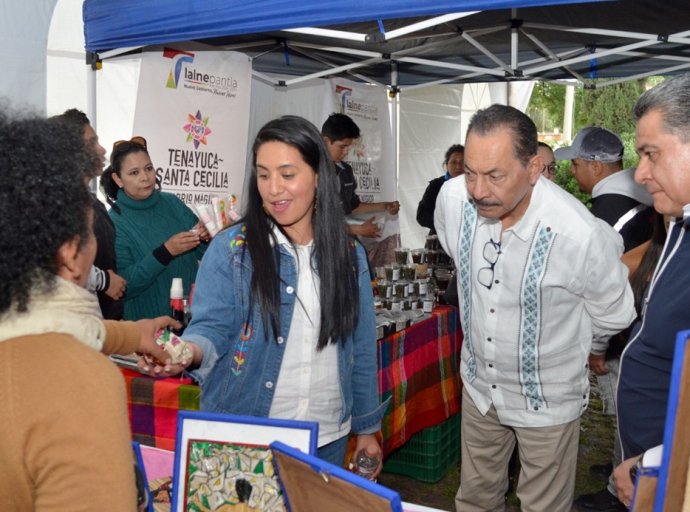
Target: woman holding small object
{"points": [[283, 316], [64, 434], [157, 236]]}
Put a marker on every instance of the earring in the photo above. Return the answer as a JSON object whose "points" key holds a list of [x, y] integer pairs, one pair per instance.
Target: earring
{"points": [[315, 204]]}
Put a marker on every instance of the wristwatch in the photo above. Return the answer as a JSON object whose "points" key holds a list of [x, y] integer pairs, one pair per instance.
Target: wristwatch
{"points": [[635, 469]]}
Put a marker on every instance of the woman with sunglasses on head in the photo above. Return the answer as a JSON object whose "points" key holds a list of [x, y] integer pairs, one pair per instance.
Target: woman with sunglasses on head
{"points": [[157, 237], [283, 316]]}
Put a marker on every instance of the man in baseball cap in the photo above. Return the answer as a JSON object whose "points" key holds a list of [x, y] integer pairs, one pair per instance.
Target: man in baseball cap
{"points": [[596, 158]]}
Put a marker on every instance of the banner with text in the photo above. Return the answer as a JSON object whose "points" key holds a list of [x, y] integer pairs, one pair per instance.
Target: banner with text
{"points": [[193, 109], [372, 158]]}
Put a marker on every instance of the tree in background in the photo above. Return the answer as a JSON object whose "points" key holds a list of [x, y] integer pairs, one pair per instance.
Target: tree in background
{"points": [[546, 106], [609, 107]]}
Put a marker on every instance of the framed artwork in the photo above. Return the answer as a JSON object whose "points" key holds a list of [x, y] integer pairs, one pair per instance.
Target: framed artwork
{"points": [[157, 467], [143, 493], [313, 485], [223, 462]]}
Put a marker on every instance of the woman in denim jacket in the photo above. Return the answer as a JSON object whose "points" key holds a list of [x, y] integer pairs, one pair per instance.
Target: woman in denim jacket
{"points": [[267, 342]]}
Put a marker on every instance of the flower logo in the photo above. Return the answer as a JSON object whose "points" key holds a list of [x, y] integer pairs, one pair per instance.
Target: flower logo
{"points": [[197, 129]]}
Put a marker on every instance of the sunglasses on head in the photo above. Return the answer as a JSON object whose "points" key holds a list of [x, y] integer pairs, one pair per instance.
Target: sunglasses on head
{"points": [[138, 140]]}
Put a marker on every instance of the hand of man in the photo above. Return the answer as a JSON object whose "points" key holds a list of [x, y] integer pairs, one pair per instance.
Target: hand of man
{"points": [[597, 363], [393, 207], [368, 229], [117, 287], [625, 487]]}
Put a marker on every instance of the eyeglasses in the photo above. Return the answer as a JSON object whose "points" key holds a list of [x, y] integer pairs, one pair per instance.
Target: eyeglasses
{"points": [[137, 139], [491, 252], [549, 169]]}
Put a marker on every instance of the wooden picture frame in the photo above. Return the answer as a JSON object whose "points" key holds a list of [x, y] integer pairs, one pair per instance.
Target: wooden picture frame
{"points": [[313, 485]]}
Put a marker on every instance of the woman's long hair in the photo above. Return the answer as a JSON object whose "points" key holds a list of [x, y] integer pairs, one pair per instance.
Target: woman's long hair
{"points": [[333, 257]]}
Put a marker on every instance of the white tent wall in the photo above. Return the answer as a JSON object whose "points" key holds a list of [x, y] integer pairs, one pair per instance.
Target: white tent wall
{"points": [[24, 37], [430, 121], [67, 72]]}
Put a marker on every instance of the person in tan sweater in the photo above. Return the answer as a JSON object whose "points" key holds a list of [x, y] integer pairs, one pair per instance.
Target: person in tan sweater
{"points": [[64, 431]]}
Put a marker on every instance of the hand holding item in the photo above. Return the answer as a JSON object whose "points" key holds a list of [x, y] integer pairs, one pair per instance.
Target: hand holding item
{"points": [[203, 233], [157, 368], [625, 487], [368, 229], [117, 287], [393, 207], [597, 363], [148, 329], [182, 242], [367, 447]]}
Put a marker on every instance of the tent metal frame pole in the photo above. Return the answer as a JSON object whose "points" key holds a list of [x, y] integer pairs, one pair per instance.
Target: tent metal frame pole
{"points": [[326, 62], [387, 36], [514, 41], [337, 49], [339, 69], [596, 54], [431, 22], [487, 52], [118, 51], [643, 36], [92, 97], [615, 81], [550, 54], [449, 65], [676, 58], [475, 74], [329, 33]]}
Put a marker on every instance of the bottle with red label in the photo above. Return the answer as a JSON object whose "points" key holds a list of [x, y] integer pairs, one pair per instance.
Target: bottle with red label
{"points": [[177, 304]]}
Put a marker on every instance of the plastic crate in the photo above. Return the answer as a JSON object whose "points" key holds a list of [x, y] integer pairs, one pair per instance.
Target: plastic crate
{"points": [[428, 454]]}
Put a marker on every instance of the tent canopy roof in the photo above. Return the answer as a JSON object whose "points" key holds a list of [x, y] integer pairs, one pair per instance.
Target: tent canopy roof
{"points": [[411, 42]]}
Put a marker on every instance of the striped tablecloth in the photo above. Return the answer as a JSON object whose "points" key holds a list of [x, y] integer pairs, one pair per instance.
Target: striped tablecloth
{"points": [[418, 368], [153, 405]]}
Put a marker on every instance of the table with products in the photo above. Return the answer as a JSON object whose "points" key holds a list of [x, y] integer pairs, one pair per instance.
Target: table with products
{"points": [[418, 370]]}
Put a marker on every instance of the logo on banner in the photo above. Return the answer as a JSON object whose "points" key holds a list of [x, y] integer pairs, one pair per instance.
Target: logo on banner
{"points": [[178, 59], [343, 93], [197, 129], [198, 78], [355, 107]]}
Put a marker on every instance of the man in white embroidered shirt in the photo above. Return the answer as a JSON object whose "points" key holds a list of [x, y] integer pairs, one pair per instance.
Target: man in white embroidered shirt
{"points": [[540, 281]]}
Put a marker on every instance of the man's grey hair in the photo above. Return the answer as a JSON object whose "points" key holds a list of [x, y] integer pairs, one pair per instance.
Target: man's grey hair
{"points": [[500, 116], [671, 98]]}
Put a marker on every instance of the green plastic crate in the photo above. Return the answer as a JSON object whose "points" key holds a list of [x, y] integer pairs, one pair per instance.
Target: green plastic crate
{"points": [[428, 454]]}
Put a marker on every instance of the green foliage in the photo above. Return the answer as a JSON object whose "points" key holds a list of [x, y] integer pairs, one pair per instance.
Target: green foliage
{"points": [[567, 181], [546, 106], [610, 107]]}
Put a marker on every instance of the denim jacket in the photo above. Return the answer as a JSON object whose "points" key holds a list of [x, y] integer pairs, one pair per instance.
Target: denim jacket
{"points": [[242, 359]]}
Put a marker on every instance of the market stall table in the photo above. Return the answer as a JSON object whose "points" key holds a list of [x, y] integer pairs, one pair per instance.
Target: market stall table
{"points": [[418, 370]]}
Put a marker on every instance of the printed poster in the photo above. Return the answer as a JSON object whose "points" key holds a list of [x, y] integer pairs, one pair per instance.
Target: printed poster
{"points": [[193, 109], [372, 158]]}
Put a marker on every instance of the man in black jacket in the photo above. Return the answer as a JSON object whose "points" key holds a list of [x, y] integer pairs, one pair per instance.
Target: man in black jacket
{"points": [[662, 116]]}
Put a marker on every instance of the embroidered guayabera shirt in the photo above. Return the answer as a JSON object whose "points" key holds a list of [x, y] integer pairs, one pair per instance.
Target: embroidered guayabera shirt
{"points": [[533, 300]]}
